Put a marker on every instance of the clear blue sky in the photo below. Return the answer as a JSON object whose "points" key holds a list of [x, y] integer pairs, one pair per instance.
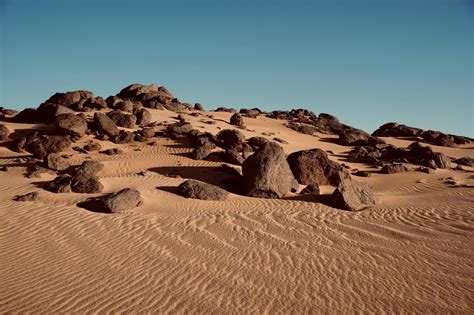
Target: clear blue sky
{"points": [[367, 62]]}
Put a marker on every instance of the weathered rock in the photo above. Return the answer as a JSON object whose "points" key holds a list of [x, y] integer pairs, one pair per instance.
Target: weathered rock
{"points": [[47, 112], [90, 167], [32, 196], [445, 141], [125, 106], [179, 129], [94, 103], [393, 169], [113, 151], [233, 156], [72, 124], [4, 132], [229, 138], [199, 190], [124, 137], [120, 201], [105, 125], [466, 160], [123, 119], [314, 166], [198, 106], [352, 195], [92, 146], [143, 117], [302, 128], [69, 99], [393, 129], [237, 120], [86, 184], [27, 116], [61, 184], [257, 142], [202, 151], [44, 145], [252, 113], [266, 173], [355, 137], [225, 109], [112, 101], [56, 162], [430, 135], [362, 174]]}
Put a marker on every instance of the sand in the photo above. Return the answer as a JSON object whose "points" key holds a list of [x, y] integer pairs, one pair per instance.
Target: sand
{"points": [[412, 252]]}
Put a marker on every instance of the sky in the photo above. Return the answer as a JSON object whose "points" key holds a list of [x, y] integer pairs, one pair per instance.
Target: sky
{"points": [[367, 62]]}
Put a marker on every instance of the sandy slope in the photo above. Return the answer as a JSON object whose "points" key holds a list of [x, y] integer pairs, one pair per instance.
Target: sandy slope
{"points": [[413, 252]]}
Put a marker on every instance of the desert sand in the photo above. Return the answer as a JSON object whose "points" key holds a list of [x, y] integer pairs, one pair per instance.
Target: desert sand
{"points": [[412, 252]]}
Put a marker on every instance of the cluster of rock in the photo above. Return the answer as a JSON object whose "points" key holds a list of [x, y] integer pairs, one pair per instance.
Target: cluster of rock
{"points": [[416, 153], [268, 173], [307, 122], [393, 129]]}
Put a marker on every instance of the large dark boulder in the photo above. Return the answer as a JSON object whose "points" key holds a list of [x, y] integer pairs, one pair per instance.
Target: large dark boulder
{"points": [[85, 179], [61, 184], [72, 124], [352, 195], [266, 173], [229, 138], [105, 125], [47, 112], [445, 141], [123, 119], [27, 116], [314, 166], [199, 190]]}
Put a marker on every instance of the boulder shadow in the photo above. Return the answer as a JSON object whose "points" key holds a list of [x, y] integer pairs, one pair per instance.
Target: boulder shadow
{"points": [[91, 204], [224, 177]]}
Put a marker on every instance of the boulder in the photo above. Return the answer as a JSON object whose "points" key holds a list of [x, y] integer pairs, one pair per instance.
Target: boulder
{"points": [[393, 129], [92, 146], [61, 184], [237, 120], [352, 195], [56, 162], [202, 151], [199, 190], [69, 99], [266, 173], [445, 141], [257, 142], [86, 184], [233, 156], [43, 145], [393, 168], [47, 112], [125, 106], [229, 138], [123, 119], [252, 113], [123, 200], [356, 137], [105, 125], [124, 137], [143, 117], [90, 167], [27, 116], [314, 166], [198, 106], [93, 103], [179, 129], [72, 124], [4, 132]]}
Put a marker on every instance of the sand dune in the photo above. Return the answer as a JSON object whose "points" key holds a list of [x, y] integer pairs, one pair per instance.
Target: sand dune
{"points": [[412, 252]]}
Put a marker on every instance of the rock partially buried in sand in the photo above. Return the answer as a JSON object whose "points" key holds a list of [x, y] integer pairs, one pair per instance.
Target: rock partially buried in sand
{"points": [[352, 196], [466, 160], [314, 166], [85, 179], [229, 138], [44, 145], [123, 119], [266, 173], [56, 162], [123, 200], [352, 136], [237, 120], [393, 169], [199, 190], [32, 196], [105, 125]]}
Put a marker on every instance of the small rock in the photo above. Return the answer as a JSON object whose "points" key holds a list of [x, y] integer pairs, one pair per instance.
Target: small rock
{"points": [[32, 196], [199, 190]]}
